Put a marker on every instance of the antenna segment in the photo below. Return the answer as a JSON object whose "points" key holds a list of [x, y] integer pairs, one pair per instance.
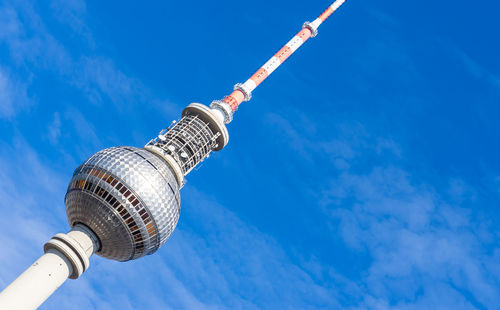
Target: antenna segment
{"points": [[243, 92]]}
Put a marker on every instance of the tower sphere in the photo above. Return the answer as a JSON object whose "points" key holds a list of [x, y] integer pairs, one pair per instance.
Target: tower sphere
{"points": [[128, 197]]}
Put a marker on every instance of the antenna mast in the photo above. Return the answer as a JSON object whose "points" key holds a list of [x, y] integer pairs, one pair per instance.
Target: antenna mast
{"points": [[243, 92]]}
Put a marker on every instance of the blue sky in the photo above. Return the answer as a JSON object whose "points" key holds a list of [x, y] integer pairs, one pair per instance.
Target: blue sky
{"points": [[364, 174]]}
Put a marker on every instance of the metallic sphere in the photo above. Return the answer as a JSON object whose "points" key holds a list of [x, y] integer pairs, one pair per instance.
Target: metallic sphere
{"points": [[129, 197]]}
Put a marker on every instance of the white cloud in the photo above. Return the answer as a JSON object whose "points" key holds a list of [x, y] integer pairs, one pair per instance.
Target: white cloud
{"points": [[54, 129], [33, 47], [419, 243], [13, 95], [72, 13], [414, 239], [425, 250], [243, 267], [475, 69], [102, 82], [10, 27], [29, 42]]}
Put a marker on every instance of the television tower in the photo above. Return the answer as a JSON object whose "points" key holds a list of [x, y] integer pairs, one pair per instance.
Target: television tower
{"points": [[123, 202]]}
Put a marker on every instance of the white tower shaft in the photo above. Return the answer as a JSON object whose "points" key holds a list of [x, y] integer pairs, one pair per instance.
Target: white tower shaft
{"points": [[37, 283], [66, 256]]}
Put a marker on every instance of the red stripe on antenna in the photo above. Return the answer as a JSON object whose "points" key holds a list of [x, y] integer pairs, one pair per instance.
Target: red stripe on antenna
{"points": [[326, 14], [304, 34], [283, 53], [259, 76]]}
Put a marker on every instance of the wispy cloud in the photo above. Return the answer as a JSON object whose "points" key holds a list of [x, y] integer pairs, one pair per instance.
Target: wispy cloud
{"points": [[102, 82], [418, 242], [475, 69], [13, 95], [423, 244], [28, 40], [72, 13], [244, 267], [34, 47], [54, 129]]}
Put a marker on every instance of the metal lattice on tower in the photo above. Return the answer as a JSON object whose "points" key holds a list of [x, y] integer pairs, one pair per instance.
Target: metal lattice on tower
{"points": [[190, 140], [124, 202]]}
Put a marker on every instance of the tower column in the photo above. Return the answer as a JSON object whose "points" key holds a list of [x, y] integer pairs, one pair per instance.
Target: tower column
{"points": [[66, 256]]}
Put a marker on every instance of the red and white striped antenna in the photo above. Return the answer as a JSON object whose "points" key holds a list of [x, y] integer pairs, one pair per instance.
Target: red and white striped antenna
{"points": [[243, 92]]}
